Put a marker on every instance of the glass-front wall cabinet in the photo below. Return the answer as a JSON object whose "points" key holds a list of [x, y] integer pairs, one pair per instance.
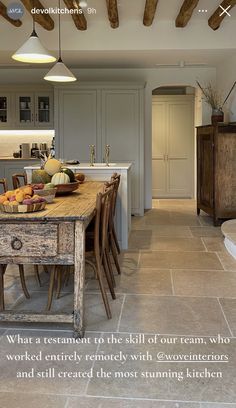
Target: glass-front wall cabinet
{"points": [[5, 115], [35, 109], [43, 109], [25, 107]]}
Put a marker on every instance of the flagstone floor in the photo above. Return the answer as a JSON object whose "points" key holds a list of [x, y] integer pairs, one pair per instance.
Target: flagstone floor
{"points": [[170, 344]]}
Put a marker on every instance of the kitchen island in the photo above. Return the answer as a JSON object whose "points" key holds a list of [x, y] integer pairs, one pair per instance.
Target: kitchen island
{"points": [[101, 172]]}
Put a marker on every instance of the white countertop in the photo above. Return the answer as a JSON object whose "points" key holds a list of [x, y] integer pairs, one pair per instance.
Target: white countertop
{"points": [[86, 166]]}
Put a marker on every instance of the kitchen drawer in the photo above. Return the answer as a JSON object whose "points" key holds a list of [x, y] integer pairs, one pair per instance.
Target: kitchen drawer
{"points": [[28, 239]]}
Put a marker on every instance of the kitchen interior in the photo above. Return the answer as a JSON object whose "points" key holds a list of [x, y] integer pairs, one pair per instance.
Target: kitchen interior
{"points": [[131, 105]]}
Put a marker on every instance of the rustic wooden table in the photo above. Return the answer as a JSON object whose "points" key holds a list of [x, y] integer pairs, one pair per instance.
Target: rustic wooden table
{"points": [[54, 236]]}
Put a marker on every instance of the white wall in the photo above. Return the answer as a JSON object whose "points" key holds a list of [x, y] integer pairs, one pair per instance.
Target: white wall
{"points": [[152, 77], [226, 76]]}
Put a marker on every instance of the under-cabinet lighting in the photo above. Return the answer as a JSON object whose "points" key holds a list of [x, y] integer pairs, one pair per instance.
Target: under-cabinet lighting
{"points": [[27, 132]]}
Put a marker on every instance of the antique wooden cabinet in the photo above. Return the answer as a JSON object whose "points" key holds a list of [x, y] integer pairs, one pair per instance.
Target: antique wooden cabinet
{"points": [[216, 171]]}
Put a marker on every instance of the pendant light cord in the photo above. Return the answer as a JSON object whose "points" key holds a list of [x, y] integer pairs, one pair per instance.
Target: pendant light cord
{"points": [[34, 32], [59, 31]]}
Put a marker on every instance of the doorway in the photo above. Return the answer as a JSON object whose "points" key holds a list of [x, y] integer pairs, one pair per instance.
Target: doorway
{"points": [[173, 121]]}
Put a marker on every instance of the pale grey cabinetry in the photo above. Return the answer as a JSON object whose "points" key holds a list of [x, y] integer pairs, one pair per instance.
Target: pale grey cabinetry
{"points": [[101, 114], [77, 123]]}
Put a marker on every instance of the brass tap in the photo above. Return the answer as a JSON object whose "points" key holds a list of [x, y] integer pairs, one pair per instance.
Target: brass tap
{"points": [[107, 154], [92, 154]]}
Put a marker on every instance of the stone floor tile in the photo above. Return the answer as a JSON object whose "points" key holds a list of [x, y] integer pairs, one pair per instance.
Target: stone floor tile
{"points": [[170, 381], [174, 315], [129, 260], [204, 283], [229, 307], [171, 231], [140, 239], [95, 314], [219, 405], [173, 220], [214, 244], [22, 400], [53, 384], [206, 220], [206, 231], [228, 262], [89, 402], [179, 260], [176, 244], [140, 281]]}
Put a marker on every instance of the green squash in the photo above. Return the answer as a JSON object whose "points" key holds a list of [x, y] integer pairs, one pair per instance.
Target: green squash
{"points": [[70, 173], [40, 176]]}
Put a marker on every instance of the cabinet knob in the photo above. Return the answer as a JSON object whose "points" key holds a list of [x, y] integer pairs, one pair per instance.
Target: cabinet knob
{"points": [[16, 244]]}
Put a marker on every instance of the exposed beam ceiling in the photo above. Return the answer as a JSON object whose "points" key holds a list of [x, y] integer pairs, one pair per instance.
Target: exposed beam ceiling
{"points": [[43, 19], [186, 12], [218, 16], [112, 10], [3, 13], [79, 19], [149, 12]]}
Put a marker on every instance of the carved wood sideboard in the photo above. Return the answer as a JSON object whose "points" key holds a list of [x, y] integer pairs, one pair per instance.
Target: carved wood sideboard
{"points": [[54, 236], [216, 171]]}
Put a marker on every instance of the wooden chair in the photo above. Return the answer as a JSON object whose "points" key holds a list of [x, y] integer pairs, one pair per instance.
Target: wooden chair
{"points": [[113, 242], [96, 247], [19, 180], [3, 183]]}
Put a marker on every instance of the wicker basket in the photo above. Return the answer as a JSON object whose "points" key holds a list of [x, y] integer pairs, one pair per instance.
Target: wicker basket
{"points": [[22, 208], [48, 195]]}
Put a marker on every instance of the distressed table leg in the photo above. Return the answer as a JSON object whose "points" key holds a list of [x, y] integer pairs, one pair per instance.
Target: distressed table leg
{"points": [[2, 271], [79, 279]]}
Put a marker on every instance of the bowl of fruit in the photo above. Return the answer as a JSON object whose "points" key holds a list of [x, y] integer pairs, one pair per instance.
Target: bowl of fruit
{"points": [[21, 200], [53, 173], [47, 191]]}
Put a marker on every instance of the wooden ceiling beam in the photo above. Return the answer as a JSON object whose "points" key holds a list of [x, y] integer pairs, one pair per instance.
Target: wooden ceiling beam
{"points": [[43, 19], [113, 15], [149, 12], [186, 12], [218, 16], [79, 19], [3, 13]]}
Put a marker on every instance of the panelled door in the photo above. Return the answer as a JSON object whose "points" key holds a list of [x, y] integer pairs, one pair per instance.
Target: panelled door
{"points": [[78, 124], [173, 146]]}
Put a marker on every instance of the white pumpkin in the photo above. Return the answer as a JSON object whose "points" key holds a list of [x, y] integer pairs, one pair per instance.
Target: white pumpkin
{"points": [[60, 178]]}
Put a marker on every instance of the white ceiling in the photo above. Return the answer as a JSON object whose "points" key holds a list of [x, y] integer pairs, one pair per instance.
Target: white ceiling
{"points": [[132, 44]]}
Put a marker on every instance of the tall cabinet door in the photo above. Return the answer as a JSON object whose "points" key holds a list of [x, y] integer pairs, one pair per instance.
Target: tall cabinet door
{"points": [[180, 145], [173, 146], [77, 122], [159, 149], [121, 129]]}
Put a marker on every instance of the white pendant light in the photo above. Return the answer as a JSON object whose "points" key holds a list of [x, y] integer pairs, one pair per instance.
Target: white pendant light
{"points": [[59, 72], [33, 51]]}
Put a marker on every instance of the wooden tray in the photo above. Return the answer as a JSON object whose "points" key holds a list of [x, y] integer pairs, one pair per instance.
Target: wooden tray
{"points": [[67, 188], [22, 208]]}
